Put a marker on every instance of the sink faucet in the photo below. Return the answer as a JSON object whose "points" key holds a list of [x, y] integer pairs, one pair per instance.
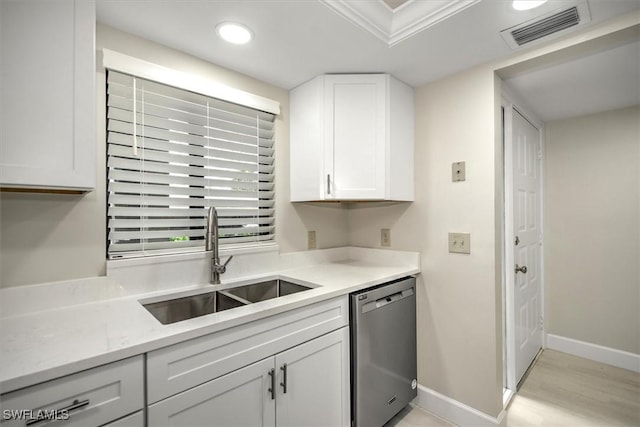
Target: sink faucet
{"points": [[211, 244]]}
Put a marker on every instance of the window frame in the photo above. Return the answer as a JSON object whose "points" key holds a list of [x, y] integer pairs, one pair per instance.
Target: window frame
{"points": [[116, 65]]}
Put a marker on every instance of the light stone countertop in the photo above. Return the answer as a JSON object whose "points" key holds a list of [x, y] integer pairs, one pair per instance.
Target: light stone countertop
{"points": [[53, 342]]}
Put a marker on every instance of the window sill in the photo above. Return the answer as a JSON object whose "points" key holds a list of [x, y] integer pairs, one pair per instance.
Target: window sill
{"points": [[189, 256]]}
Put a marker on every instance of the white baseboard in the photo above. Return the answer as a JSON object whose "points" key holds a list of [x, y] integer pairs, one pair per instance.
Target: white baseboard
{"points": [[610, 356], [453, 411]]}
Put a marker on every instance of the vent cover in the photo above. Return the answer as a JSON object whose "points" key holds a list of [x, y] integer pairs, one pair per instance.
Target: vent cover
{"points": [[546, 25]]}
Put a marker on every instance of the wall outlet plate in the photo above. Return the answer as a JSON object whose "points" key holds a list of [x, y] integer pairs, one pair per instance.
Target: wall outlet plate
{"points": [[311, 239], [460, 243], [458, 172], [385, 237]]}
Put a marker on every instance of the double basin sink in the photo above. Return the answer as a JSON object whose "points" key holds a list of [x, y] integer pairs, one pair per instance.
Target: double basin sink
{"points": [[187, 307]]}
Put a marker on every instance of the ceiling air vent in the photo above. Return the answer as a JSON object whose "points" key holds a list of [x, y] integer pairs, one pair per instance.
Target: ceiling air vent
{"points": [[546, 25]]}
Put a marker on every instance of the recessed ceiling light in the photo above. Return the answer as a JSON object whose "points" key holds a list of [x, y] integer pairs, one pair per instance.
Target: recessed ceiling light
{"points": [[234, 33], [527, 4]]}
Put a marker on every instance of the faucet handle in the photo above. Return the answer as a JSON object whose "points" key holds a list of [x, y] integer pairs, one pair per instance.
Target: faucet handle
{"points": [[220, 268]]}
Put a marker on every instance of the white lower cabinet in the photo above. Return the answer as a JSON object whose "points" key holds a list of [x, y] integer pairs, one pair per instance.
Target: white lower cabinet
{"points": [[240, 398], [290, 369], [182, 366], [89, 398], [317, 382], [133, 420], [307, 385]]}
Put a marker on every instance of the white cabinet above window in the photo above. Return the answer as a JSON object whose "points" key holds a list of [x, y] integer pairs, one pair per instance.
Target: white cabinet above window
{"points": [[352, 138], [47, 103]]}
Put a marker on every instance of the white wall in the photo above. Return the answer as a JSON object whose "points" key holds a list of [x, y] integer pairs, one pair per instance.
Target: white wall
{"points": [[51, 237], [592, 217], [459, 296], [54, 237]]}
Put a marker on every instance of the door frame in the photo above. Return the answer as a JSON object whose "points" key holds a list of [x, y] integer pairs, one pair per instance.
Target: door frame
{"points": [[511, 101]]}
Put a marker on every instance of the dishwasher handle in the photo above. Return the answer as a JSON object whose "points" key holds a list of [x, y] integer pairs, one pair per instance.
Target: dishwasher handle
{"points": [[386, 300]]}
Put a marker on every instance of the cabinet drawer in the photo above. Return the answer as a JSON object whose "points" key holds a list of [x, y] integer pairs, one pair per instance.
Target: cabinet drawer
{"points": [[179, 367], [88, 398]]}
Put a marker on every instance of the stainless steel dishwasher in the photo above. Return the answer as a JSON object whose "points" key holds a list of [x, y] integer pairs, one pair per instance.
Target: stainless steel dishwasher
{"points": [[383, 351]]}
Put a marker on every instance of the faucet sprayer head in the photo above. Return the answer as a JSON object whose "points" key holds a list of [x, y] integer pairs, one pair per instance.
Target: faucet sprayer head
{"points": [[212, 228]]}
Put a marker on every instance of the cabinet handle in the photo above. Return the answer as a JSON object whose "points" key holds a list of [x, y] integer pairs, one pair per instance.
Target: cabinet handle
{"points": [[77, 404], [272, 389], [283, 368], [328, 184]]}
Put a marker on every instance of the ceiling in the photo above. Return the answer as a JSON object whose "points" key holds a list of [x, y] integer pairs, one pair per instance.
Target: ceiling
{"points": [[295, 40], [602, 81]]}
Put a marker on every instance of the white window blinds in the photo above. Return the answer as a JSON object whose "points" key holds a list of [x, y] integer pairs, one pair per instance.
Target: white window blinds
{"points": [[171, 154]]}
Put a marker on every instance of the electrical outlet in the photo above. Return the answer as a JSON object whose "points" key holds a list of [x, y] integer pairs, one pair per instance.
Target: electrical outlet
{"points": [[460, 243], [311, 239], [458, 171], [385, 237]]}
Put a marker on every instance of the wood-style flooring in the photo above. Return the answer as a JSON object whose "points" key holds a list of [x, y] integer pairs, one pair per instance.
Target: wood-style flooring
{"points": [[561, 390], [565, 390]]}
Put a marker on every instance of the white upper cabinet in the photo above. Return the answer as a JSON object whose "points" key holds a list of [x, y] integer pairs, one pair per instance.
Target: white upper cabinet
{"points": [[47, 109], [352, 138]]}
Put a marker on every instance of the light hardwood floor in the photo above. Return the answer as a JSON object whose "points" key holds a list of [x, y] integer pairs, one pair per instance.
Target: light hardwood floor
{"points": [[565, 390], [561, 391], [414, 416]]}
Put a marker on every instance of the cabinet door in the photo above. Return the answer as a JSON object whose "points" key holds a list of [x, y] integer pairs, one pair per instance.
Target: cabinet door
{"points": [[47, 104], [317, 382], [134, 420], [240, 398], [355, 136]]}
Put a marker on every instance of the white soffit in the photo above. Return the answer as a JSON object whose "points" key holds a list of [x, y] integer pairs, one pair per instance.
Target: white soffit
{"points": [[393, 25]]}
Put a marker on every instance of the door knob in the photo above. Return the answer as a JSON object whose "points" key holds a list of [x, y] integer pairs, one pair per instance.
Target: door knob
{"points": [[522, 269]]}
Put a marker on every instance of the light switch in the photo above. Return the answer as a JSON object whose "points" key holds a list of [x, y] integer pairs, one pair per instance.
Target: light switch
{"points": [[458, 172], [460, 243]]}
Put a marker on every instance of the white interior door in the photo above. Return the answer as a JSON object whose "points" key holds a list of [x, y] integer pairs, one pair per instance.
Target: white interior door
{"points": [[527, 242]]}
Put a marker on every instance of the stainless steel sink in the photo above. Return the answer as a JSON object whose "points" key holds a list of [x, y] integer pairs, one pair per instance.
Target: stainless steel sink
{"points": [[265, 290], [177, 309], [187, 307]]}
